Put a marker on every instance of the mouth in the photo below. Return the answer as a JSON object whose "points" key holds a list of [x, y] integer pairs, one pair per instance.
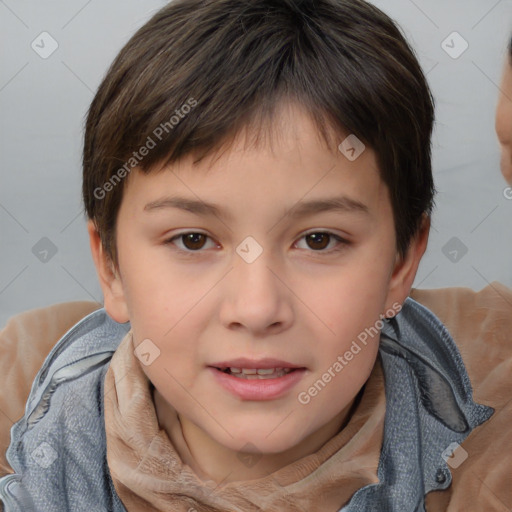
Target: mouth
{"points": [[263, 379], [257, 373]]}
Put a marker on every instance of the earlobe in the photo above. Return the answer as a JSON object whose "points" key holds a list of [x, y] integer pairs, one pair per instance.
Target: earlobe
{"points": [[109, 277], [406, 267]]}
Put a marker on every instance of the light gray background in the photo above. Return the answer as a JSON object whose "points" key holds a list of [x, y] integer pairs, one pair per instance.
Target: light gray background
{"points": [[43, 103]]}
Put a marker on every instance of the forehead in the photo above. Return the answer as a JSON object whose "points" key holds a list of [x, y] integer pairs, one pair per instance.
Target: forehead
{"points": [[290, 163]]}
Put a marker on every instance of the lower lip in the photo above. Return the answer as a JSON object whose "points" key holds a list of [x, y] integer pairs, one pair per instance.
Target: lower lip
{"points": [[258, 389]]}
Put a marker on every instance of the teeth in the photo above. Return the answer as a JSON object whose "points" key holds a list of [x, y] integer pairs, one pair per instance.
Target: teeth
{"points": [[258, 373], [267, 371]]}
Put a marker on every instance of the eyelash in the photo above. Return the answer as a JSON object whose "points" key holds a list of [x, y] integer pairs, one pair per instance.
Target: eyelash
{"points": [[342, 242]]}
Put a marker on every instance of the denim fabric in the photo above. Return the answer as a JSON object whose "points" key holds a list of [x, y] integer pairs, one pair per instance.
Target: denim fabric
{"points": [[428, 406], [58, 449]]}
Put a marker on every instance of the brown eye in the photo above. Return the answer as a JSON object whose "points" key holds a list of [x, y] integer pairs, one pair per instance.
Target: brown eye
{"points": [[193, 241], [318, 241], [323, 243]]}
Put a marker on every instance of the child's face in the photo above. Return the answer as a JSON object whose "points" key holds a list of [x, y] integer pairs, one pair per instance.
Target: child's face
{"points": [[210, 300]]}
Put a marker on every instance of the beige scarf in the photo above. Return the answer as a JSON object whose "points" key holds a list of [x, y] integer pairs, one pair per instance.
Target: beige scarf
{"points": [[149, 475]]}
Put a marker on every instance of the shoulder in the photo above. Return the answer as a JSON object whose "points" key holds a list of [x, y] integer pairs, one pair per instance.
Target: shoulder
{"points": [[28, 337], [480, 323], [62, 426], [33, 333], [87, 346], [481, 326], [25, 342]]}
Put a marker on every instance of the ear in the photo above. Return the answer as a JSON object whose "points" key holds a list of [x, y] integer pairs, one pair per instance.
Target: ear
{"points": [[109, 277], [406, 267]]}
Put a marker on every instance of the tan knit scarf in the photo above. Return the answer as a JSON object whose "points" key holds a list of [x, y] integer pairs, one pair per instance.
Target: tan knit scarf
{"points": [[149, 475]]}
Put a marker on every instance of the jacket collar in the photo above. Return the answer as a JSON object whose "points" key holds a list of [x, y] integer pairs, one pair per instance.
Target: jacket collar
{"points": [[429, 411]]}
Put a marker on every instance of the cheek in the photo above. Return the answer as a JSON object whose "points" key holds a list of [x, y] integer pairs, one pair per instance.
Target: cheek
{"points": [[159, 294], [506, 164], [356, 295], [177, 369], [350, 305], [503, 123], [504, 133], [506, 153]]}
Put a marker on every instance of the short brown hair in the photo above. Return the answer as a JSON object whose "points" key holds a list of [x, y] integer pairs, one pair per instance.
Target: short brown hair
{"points": [[345, 61]]}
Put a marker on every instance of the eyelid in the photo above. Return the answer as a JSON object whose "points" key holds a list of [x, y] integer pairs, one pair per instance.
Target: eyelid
{"points": [[170, 241], [342, 241], [327, 231]]}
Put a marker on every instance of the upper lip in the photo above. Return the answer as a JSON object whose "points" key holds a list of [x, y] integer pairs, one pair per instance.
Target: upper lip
{"points": [[243, 362]]}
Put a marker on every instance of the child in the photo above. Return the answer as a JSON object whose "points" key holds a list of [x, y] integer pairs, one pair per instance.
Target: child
{"points": [[278, 365]]}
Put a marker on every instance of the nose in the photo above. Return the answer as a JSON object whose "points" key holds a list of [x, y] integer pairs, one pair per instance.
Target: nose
{"points": [[256, 298]]}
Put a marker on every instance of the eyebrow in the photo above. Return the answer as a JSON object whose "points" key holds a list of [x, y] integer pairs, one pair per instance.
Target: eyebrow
{"points": [[301, 209]]}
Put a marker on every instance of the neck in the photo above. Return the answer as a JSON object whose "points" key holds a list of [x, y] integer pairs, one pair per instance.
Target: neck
{"points": [[212, 461]]}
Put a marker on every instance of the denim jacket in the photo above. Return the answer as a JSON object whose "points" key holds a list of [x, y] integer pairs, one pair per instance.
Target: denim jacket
{"points": [[58, 448]]}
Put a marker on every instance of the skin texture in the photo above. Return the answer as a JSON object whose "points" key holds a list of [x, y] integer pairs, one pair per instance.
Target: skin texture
{"points": [[504, 120], [299, 301]]}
